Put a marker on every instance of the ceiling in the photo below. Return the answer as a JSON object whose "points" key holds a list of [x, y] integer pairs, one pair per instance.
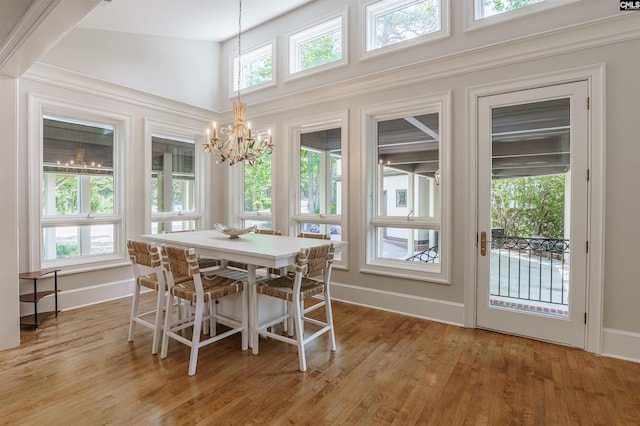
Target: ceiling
{"points": [[208, 20]]}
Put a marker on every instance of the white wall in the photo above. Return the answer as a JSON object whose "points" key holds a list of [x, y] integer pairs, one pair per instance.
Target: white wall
{"points": [[183, 70]]}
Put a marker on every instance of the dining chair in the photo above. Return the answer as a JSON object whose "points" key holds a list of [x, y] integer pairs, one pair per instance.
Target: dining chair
{"points": [[314, 235], [296, 289], [204, 263], [148, 272], [203, 292]]}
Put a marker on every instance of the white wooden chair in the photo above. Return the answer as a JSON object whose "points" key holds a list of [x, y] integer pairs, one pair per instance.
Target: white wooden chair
{"points": [[295, 289], [202, 292], [148, 272]]}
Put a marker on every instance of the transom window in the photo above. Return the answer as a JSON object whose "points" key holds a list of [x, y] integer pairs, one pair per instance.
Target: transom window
{"points": [[319, 45], [479, 13], [257, 67], [389, 22], [80, 218]]}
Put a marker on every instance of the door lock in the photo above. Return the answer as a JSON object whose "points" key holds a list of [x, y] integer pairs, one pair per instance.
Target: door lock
{"points": [[483, 243]]}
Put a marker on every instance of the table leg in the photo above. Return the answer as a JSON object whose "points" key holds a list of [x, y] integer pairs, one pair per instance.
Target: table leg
{"points": [[251, 295]]}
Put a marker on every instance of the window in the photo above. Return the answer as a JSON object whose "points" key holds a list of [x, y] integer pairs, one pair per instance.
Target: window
{"points": [[319, 209], [407, 228], [174, 204], [319, 45], [80, 219], [257, 192], [257, 68], [485, 12], [318, 169], [389, 22]]}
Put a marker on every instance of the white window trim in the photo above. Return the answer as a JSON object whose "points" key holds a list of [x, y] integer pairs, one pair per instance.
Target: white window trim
{"points": [[248, 56], [152, 127], [311, 124], [236, 195], [368, 263], [426, 38], [310, 32], [39, 106], [472, 23]]}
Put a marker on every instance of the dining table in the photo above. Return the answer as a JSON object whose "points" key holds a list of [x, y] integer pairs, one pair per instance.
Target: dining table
{"points": [[254, 250]]}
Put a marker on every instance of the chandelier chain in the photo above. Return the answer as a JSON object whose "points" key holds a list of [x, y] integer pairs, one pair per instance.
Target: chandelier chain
{"points": [[239, 47]]}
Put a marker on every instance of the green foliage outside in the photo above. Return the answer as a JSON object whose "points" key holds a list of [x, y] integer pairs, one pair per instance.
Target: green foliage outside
{"points": [[322, 50], [66, 250], [257, 185], [529, 207], [310, 181], [507, 5], [257, 72], [101, 192], [309, 173], [408, 23], [67, 194]]}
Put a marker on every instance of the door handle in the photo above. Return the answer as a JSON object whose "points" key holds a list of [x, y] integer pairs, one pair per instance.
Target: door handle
{"points": [[483, 243]]}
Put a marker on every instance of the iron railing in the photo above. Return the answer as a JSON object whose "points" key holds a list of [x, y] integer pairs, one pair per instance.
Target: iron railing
{"points": [[532, 269]]}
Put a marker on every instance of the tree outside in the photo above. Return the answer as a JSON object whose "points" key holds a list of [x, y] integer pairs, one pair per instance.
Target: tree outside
{"points": [[529, 206], [257, 185], [500, 6], [321, 50]]}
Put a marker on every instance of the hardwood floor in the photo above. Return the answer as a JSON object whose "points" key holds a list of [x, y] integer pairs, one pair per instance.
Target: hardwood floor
{"points": [[79, 369]]}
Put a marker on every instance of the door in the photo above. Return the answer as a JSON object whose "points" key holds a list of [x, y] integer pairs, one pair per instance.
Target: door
{"points": [[532, 213]]}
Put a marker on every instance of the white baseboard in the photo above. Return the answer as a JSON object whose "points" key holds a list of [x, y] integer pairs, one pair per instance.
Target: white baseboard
{"points": [[621, 344], [420, 307]]}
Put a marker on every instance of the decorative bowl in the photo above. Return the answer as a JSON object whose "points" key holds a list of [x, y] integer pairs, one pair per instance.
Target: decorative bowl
{"points": [[233, 233]]}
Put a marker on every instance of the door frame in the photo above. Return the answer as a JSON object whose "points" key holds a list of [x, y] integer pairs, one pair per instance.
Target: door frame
{"points": [[594, 75]]}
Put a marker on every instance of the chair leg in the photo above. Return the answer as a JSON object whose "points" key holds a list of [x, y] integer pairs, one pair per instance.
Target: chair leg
{"points": [[213, 323], [297, 314], [134, 311], [157, 325], [195, 340], [329, 313], [168, 320]]}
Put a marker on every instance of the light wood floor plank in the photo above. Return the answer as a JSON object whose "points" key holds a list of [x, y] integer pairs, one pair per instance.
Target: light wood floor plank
{"points": [[79, 369]]}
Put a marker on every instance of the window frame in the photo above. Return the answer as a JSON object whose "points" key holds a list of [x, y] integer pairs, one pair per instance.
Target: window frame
{"points": [[368, 30], [39, 108], [152, 128], [369, 262], [312, 32], [296, 217], [472, 22], [252, 54]]}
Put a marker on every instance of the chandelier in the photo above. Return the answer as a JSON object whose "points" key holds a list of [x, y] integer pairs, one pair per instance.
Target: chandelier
{"points": [[235, 143]]}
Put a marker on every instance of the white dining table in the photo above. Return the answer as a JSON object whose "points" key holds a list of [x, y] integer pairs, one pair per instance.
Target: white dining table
{"points": [[262, 250]]}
